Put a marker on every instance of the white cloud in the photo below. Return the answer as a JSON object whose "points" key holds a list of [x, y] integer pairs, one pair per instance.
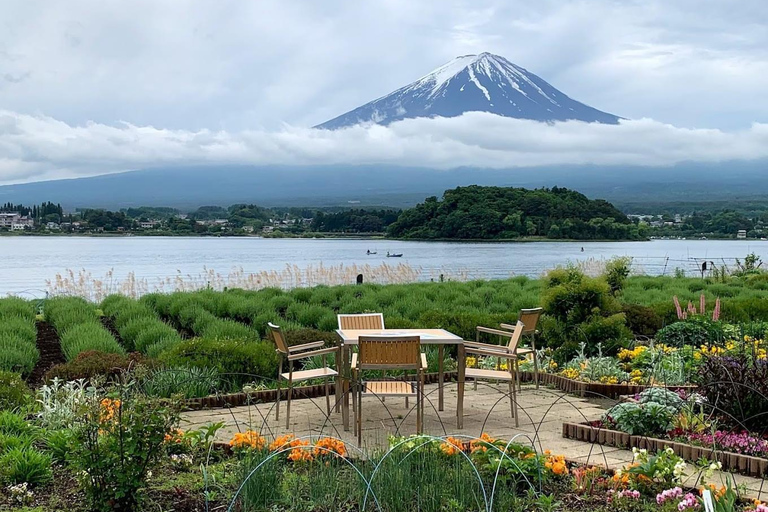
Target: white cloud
{"points": [[40, 147], [236, 65]]}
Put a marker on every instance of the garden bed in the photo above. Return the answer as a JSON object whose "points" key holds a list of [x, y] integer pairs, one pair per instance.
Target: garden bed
{"points": [[592, 389], [744, 464]]}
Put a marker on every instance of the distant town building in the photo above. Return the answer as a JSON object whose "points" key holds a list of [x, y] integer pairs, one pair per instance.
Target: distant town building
{"points": [[742, 233], [151, 224], [15, 221]]}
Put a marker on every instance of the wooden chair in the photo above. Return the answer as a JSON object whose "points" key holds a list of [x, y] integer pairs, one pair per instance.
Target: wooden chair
{"points": [[501, 352], [530, 319], [388, 353], [361, 321], [296, 353]]}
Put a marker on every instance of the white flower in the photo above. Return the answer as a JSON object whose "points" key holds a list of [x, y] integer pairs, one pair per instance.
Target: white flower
{"points": [[716, 466], [669, 450]]}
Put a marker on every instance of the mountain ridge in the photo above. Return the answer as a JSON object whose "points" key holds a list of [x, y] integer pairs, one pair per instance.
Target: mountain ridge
{"points": [[470, 83]]}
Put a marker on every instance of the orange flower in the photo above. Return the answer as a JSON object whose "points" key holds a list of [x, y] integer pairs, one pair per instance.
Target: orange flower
{"points": [[174, 436], [717, 492], [248, 440], [280, 442], [299, 453], [329, 445], [109, 409], [556, 464], [452, 446], [479, 445]]}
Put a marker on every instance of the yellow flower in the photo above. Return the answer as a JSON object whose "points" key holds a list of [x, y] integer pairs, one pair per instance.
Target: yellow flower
{"points": [[471, 361], [570, 373]]}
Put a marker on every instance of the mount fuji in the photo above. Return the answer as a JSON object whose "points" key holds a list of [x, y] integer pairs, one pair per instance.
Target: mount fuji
{"points": [[472, 83]]}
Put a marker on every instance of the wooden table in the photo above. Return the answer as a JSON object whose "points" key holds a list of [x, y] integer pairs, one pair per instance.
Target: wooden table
{"points": [[439, 337]]}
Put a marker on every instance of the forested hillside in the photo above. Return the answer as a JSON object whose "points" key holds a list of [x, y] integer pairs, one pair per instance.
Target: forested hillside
{"points": [[477, 212]]}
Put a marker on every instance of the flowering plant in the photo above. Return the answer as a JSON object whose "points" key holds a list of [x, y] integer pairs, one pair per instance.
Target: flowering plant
{"points": [[742, 442], [663, 468]]}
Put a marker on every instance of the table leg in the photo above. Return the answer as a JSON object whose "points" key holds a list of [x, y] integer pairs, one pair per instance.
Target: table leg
{"points": [[440, 376], [345, 386]]}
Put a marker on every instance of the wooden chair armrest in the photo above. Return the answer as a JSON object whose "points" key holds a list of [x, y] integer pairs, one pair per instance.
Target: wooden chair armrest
{"points": [[491, 353], [524, 350], [486, 346], [303, 355], [507, 326], [489, 330], [306, 346], [424, 364]]}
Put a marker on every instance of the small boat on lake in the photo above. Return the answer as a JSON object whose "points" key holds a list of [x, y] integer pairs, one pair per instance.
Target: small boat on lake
{"points": [[394, 255], [369, 252]]}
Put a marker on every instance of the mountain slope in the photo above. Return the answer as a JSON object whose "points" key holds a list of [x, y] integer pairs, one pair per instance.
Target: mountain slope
{"points": [[485, 83], [386, 185]]}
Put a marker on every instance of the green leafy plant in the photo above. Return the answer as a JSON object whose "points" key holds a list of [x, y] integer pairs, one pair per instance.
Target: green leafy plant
{"points": [[641, 419], [25, 465], [188, 382], [118, 440], [236, 361], [14, 392], [663, 468]]}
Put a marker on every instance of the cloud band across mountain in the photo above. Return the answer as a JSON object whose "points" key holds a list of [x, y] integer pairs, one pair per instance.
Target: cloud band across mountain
{"points": [[34, 148]]}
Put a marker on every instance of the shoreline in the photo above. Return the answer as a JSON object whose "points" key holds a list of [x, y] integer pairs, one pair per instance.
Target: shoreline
{"points": [[338, 236]]}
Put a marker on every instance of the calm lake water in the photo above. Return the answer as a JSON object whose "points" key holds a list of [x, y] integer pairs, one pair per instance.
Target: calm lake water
{"points": [[28, 262]]}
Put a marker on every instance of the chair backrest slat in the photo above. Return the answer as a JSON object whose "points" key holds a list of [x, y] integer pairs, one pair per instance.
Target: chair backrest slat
{"points": [[389, 352], [530, 318], [361, 321], [278, 338], [514, 340]]}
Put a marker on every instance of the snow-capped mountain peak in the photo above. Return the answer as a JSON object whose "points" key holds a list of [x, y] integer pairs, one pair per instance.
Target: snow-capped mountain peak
{"points": [[484, 82]]}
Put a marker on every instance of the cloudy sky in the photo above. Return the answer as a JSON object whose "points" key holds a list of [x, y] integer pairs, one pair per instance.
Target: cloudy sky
{"points": [[88, 87]]}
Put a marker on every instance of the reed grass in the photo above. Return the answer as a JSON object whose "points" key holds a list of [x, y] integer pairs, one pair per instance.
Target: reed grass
{"points": [[82, 283]]}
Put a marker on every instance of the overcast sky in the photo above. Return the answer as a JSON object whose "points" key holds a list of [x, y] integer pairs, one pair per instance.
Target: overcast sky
{"points": [[100, 86]]}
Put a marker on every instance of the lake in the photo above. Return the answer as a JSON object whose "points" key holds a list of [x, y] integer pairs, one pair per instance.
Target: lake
{"points": [[28, 262]]}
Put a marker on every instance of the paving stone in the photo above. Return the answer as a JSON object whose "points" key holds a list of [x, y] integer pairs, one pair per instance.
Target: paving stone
{"points": [[541, 414]]}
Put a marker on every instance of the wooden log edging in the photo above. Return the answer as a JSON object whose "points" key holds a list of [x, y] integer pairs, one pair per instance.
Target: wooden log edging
{"points": [[737, 462], [592, 389], [225, 401]]}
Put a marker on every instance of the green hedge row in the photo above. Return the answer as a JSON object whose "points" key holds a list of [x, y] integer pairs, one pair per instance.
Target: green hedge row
{"points": [[18, 336], [456, 306], [199, 316], [79, 328], [139, 326]]}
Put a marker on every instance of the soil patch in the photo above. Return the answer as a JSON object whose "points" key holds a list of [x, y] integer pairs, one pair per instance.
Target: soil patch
{"points": [[109, 324], [50, 352]]}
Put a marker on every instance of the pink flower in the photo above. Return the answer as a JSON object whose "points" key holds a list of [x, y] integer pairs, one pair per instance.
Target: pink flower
{"points": [[688, 501]]}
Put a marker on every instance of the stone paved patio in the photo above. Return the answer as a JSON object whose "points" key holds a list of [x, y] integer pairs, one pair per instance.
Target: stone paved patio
{"points": [[541, 414]]}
